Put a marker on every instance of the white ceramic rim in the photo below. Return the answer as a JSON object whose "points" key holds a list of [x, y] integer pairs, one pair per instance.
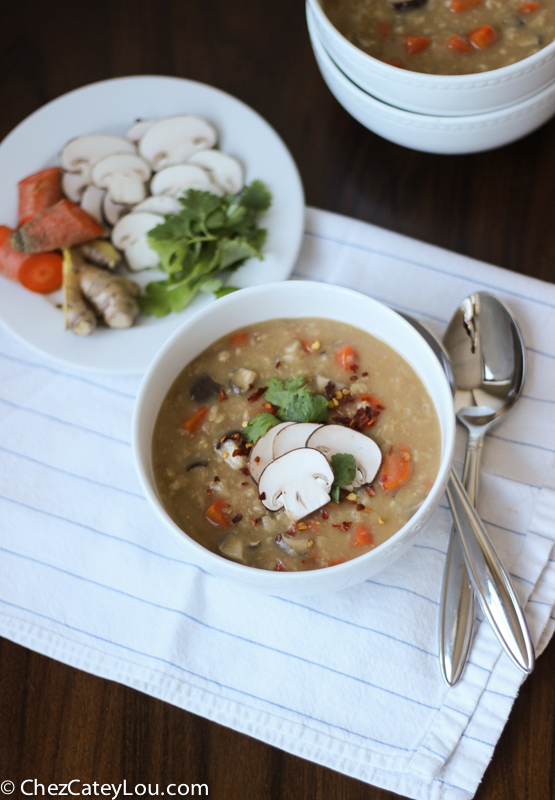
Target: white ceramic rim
{"points": [[282, 581], [430, 81]]}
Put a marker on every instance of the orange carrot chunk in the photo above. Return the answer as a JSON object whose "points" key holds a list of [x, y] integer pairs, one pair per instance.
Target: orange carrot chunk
{"points": [[37, 192], [192, 423], [396, 469], [459, 44], [346, 357], [415, 44], [363, 535], [62, 225], [42, 272], [482, 37], [216, 513], [462, 5], [528, 8], [239, 339], [10, 259]]}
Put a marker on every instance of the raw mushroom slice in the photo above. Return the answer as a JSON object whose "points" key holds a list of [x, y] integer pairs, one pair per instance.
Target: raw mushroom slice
{"points": [[160, 204], [293, 437], [175, 181], [225, 171], [130, 235], [91, 202], [73, 185], [113, 212], [124, 176], [333, 439], [262, 453], [81, 153], [174, 140], [136, 132], [299, 481]]}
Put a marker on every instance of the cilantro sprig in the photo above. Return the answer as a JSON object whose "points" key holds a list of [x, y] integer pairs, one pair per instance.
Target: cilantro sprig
{"points": [[344, 470], [295, 403], [199, 246]]}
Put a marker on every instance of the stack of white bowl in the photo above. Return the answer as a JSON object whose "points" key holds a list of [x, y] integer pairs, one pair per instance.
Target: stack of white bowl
{"points": [[434, 113]]}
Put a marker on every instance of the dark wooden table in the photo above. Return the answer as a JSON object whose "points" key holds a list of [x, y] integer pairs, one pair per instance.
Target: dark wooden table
{"points": [[57, 723]]}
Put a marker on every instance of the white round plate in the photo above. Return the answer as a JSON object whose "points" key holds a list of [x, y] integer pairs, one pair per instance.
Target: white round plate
{"points": [[110, 107]]}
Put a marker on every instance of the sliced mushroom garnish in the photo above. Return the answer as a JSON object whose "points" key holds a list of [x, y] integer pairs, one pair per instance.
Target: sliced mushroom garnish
{"points": [[333, 439], [124, 176], [175, 181], [79, 155], [136, 132], [159, 204], [74, 185], [91, 202], [113, 212], [225, 171], [130, 235], [293, 437], [173, 140], [299, 481], [262, 453]]}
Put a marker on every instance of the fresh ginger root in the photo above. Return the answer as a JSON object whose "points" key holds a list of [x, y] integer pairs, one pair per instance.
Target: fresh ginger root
{"points": [[111, 296], [78, 315]]}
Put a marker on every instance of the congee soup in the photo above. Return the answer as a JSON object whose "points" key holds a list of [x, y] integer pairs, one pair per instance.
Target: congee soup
{"points": [[445, 37], [295, 444]]}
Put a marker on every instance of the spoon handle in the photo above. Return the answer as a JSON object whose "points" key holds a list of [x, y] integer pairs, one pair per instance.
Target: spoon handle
{"points": [[490, 579]]}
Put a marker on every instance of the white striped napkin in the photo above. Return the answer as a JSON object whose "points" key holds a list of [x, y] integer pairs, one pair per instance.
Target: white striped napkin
{"points": [[349, 680]]}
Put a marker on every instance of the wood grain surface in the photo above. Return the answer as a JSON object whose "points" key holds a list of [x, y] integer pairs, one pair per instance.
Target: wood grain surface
{"points": [[57, 723]]}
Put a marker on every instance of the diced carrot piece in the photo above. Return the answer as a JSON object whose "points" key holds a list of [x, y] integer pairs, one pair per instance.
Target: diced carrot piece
{"points": [[415, 44], [459, 44], [193, 422], [363, 535], [346, 357], [42, 272], [239, 339], [62, 225], [482, 37], [396, 468], [528, 8], [10, 259], [216, 513], [37, 192], [462, 5]]}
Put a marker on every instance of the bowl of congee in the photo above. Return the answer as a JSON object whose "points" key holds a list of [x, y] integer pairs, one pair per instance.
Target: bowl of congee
{"points": [[441, 57], [294, 436]]}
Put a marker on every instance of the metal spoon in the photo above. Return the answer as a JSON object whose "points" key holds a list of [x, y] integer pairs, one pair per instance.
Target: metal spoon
{"points": [[487, 356], [461, 597]]}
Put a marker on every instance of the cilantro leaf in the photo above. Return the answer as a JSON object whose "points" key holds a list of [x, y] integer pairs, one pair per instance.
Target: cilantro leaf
{"points": [[280, 394], [306, 407], [256, 197], [344, 470], [258, 426], [225, 290]]}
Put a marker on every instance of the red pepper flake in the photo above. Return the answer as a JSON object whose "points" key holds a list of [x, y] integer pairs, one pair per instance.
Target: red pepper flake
{"points": [[278, 364], [346, 398], [364, 374], [237, 518], [279, 566], [238, 452], [257, 459], [279, 537], [245, 483], [353, 378], [263, 495], [329, 390], [251, 385], [209, 492], [360, 506], [216, 479], [243, 471], [222, 397], [344, 526], [256, 521], [292, 530], [325, 515], [369, 491], [353, 367], [256, 395]]}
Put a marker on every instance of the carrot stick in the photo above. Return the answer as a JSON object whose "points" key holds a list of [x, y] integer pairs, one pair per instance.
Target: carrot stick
{"points": [[482, 37], [459, 44], [38, 192], [42, 272], [62, 225], [462, 5], [193, 422], [216, 513], [239, 339], [10, 259], [346, 357], [396, 469], [415, 44], [363, 536]]}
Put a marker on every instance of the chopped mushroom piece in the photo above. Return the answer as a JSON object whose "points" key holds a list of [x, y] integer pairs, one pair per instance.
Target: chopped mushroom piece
{"points": [[299, 481], [226, 172], [262, 453], [226, 451], [333, 439], [293, 437], [232, 546], [242, 378], [113, 212], [159, 204], [124, 176], [91, 202], [130, 235], [173, 140], [175, 181], [74, 185], [136, 132]]}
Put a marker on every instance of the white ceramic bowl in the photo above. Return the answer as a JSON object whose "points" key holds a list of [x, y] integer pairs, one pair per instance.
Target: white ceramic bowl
{"points": [[281, 300], [449, 95], [447, 135]]}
